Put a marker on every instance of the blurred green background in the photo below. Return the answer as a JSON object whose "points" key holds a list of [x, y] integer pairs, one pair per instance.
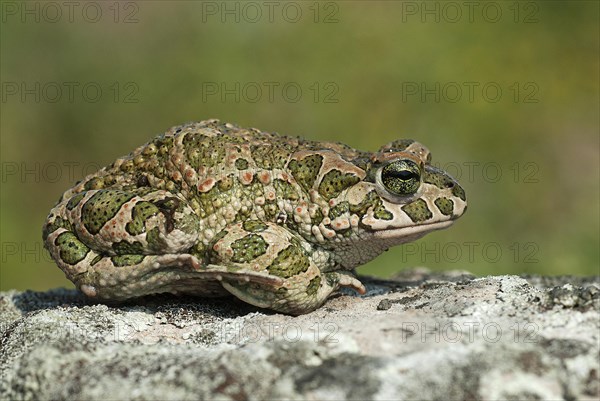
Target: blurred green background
{"points": [[505, 94]]}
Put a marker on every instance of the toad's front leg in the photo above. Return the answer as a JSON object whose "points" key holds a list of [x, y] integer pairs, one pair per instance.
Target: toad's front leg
{"points": [[255, 249]]}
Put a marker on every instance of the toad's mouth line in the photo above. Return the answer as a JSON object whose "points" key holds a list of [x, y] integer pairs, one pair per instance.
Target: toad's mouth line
{"points": [[412, 232]]}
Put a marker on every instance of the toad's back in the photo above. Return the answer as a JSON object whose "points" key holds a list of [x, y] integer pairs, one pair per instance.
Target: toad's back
{"points": [[209, 149]]}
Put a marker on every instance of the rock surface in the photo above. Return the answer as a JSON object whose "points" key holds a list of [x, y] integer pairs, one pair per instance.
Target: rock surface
{"points": [[417, 336]]}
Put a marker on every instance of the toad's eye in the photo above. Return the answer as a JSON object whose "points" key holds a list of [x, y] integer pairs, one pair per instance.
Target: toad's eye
{"points": [[401, 177]]}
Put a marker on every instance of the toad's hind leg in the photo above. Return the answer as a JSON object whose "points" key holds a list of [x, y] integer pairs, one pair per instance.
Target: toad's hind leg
{"points": [[296, 285], [107, 236]]}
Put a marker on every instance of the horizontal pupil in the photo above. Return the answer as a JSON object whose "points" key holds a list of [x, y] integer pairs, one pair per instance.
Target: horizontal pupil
{"points": [[402, 174]]}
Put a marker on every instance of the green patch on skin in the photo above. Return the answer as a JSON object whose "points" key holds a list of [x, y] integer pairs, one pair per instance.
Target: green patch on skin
{"points": [[153, 239], [372, 200], [96, 259], [198, 250], [444, 181], [397, 145], [251, 292], [381, 213], [332, 280], [72, 251], [313, 286], [459, 192], [241, 164], [254, 226], [109, 180], [203, 150], [127, 248], [242, 215], [94, 183], [346, 232], [57, 223], [418, 211], [150, 149], [220, 235], [369, 201], [289, 262], [127, 260], [127, 166], [207, 201], [334, 182], [305, 171], [270, 210], [338, 210], [141, 192], [281, 291], [280, 152], [226, 183], [142, 211], [445, 205], [102, 207], [74, 201], [187, 222], [271, 155], [318, 217], [440, 180], [261, 156], [248, 248], [362, 163], [285, 190], [163, 143], [227, 138]]}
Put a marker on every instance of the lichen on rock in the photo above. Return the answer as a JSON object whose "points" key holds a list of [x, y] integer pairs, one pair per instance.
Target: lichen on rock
{"points": [[417, 336]]}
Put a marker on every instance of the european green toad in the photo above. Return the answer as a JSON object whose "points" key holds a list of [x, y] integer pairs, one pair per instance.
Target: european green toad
{"points": [[209, 208]]}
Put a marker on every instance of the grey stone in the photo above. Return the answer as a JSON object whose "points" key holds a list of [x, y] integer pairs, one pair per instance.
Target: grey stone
{"points": [[420, 335]]}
